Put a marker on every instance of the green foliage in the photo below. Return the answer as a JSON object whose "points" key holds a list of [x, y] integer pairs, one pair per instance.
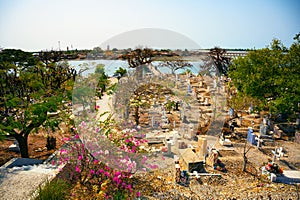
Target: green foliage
{"points": [[29, 90], [169, 105], [270, 75], [100, 69], [187, 71], [54, 190], [121, 71]]}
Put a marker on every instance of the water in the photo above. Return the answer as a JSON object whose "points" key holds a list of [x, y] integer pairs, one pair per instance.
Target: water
{"points": [[112, 65]]}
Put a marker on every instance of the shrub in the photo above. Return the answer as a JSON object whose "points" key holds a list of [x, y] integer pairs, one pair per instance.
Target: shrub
{"points": [[55, 190]]}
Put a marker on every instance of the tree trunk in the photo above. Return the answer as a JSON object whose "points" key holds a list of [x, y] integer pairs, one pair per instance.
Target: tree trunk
{"points": [[245, 163], [22, 140], [136, 115]]}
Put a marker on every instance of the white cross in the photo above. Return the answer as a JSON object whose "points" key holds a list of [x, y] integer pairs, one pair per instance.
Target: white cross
{"points": [[259, 141]]}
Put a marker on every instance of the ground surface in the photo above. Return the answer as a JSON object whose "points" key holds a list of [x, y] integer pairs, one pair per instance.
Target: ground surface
{"points": [[234, 184], [36, 143]]}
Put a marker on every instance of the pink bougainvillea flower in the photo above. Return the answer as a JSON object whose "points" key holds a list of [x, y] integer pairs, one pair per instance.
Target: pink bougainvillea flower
{"points": [[96, 162], [77, 169], [66, 139], [138, 194], [63, 151], [76, 136], [107, 174]]}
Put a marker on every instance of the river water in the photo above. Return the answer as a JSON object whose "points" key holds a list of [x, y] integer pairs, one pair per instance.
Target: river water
{"points": [[112, 65]]}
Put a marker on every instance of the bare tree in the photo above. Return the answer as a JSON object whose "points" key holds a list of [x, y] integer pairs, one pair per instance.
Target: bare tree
{"points": [[138, 57], [246, 149], [175, 65], [220, 60]]}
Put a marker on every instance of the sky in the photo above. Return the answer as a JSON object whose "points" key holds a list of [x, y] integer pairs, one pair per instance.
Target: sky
{"points": [[34, 25]]}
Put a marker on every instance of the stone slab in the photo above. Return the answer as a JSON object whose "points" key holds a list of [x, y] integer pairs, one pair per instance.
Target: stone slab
{"points": [[289, 177]]}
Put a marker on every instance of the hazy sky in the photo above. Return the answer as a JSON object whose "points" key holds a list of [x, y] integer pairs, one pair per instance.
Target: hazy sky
{"points": [[40, 24]]}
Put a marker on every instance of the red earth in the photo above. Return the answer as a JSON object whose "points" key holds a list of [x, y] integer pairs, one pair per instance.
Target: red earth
{"points": [[36, 145]]}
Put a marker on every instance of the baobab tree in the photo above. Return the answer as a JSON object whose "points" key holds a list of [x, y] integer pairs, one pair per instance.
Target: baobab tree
{"points": [[175, 65], [220, 60]]}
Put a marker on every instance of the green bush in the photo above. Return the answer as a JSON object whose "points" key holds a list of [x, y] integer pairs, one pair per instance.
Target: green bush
{"points": [[55, 190]]}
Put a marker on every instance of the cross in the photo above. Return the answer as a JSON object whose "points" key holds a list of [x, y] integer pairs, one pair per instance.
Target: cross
{"points": [[259, 141]]}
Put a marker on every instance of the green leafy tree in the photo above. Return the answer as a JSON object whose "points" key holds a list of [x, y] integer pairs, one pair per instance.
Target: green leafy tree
{"points": [[30, 92], [270, 75], [102, 80]]}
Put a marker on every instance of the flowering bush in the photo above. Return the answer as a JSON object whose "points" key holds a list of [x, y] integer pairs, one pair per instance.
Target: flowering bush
{"points": [[90, 174], [96, 162]]}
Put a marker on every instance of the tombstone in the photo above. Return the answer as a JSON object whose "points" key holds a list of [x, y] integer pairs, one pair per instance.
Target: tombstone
{"points": [[14, 147], [251, 109], [231, 112], [251, 136], [205, 101], [152, 121], [202, 146], [277, 153], [201, 83], [189, 90], [263, 129], [264, 121], [212, 158], [169, 148], [215, 83], [259, 141]]}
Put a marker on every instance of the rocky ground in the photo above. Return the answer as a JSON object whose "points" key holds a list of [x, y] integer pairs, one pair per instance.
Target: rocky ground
{"points": [[234, 184]]}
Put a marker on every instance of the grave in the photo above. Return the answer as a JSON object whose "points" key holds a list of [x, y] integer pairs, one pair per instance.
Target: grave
{"points": [[289, 177], [201, 149], [191, 161], [251, 136], [212, 158], [14, 147]]}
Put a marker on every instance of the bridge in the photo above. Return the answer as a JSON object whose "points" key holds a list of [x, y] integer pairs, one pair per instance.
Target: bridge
{"points": [[235, 54]]}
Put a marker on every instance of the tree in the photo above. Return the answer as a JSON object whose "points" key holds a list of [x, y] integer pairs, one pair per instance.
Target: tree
{"points": [[169, 105], [120, 72], [221, 61], [175, 65], [138, 57], [102, 79], [270, 75], [30, 90], [246, 149]]}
